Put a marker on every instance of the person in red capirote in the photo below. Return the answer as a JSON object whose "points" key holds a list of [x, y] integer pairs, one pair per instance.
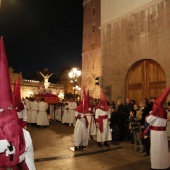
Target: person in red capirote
{"points": [[81, 127], [102, 117], [19, 105], [157, 119], [15, 142]]}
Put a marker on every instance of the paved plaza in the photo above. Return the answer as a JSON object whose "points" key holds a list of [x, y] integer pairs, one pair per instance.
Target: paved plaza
{"points": [[52, 152]]}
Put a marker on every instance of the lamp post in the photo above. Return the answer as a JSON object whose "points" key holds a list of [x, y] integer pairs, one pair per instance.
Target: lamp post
{"points": [[76, 88], [74, 74]]}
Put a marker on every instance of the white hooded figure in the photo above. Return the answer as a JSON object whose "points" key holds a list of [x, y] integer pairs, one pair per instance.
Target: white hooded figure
{"points": [[81, 127], [157, 119], [65, 113], [102, 117]]}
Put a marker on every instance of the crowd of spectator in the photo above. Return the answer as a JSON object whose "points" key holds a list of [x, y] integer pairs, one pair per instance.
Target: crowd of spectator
{"points": [[127, 121]]}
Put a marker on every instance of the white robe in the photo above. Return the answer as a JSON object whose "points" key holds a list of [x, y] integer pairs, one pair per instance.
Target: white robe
{"points": [[65, 114], [42, 118], [106, 134], [27, 104], [160, 158], [52, 112], [58, 113], [34, 111], [80, 131], [28, 155], [92, 125], [71, 115]]}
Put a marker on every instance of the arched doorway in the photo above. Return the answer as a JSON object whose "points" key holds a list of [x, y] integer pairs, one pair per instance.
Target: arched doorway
{"points": [[145, 79]]}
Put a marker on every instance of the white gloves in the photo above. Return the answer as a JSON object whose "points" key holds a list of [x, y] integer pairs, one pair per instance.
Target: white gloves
{"points": [[3, 145], [8, 152]]}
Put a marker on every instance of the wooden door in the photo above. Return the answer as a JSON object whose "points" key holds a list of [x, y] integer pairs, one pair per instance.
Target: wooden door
{"points": [[145, 79]]}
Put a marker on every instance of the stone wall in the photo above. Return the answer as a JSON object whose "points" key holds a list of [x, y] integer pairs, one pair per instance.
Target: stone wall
{"points": [[143, 33], [91, 69], [112, 9]]}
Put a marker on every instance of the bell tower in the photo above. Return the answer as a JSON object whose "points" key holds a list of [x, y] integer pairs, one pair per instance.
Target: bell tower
{"points": [[91, 49]]}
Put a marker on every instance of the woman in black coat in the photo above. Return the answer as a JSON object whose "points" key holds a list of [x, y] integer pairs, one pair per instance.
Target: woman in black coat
{"points": [[120, 119]]}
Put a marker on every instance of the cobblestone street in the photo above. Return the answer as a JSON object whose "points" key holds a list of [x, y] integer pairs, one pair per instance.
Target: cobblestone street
{"points": [[52, 152]]}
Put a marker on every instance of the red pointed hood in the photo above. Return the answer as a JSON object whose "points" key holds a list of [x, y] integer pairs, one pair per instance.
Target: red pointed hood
{"points": [[10, 128], [103, 103], [83, 107], [158, 109], [17, 97], [6, 98]]}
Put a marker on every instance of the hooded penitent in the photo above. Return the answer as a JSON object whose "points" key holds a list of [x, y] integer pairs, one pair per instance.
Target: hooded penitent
{"points": [[9, 126], [158, 109], [17, 97], [103, 103], [83, 107]]}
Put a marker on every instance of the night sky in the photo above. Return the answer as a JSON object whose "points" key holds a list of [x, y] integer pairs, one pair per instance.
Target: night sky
{"points": [[42, 34]]}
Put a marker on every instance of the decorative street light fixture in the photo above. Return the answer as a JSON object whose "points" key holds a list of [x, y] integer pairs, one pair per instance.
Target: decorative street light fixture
{"points": [[74, 74], [77, 92], [77, 88]]}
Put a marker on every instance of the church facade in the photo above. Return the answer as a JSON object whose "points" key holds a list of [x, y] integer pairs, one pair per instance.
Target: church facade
{"points": [[131, 50], [29, 88]]}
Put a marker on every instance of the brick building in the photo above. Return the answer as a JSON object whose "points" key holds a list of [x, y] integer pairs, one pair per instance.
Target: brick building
{"points": [[91, 50]]}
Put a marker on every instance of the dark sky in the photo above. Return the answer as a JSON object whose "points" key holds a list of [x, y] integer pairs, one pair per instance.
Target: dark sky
{"points": [[42, 34]]}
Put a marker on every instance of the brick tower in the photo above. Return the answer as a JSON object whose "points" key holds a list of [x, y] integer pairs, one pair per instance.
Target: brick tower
{"points": [[91, 49]]}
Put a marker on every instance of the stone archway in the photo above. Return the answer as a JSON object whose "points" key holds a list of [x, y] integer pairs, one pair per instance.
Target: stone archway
{"points": [[145, 79]]}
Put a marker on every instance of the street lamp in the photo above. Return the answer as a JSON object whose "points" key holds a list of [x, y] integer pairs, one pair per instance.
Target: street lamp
{"points": [[77, 88], [77, 91], [74, 74]]}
